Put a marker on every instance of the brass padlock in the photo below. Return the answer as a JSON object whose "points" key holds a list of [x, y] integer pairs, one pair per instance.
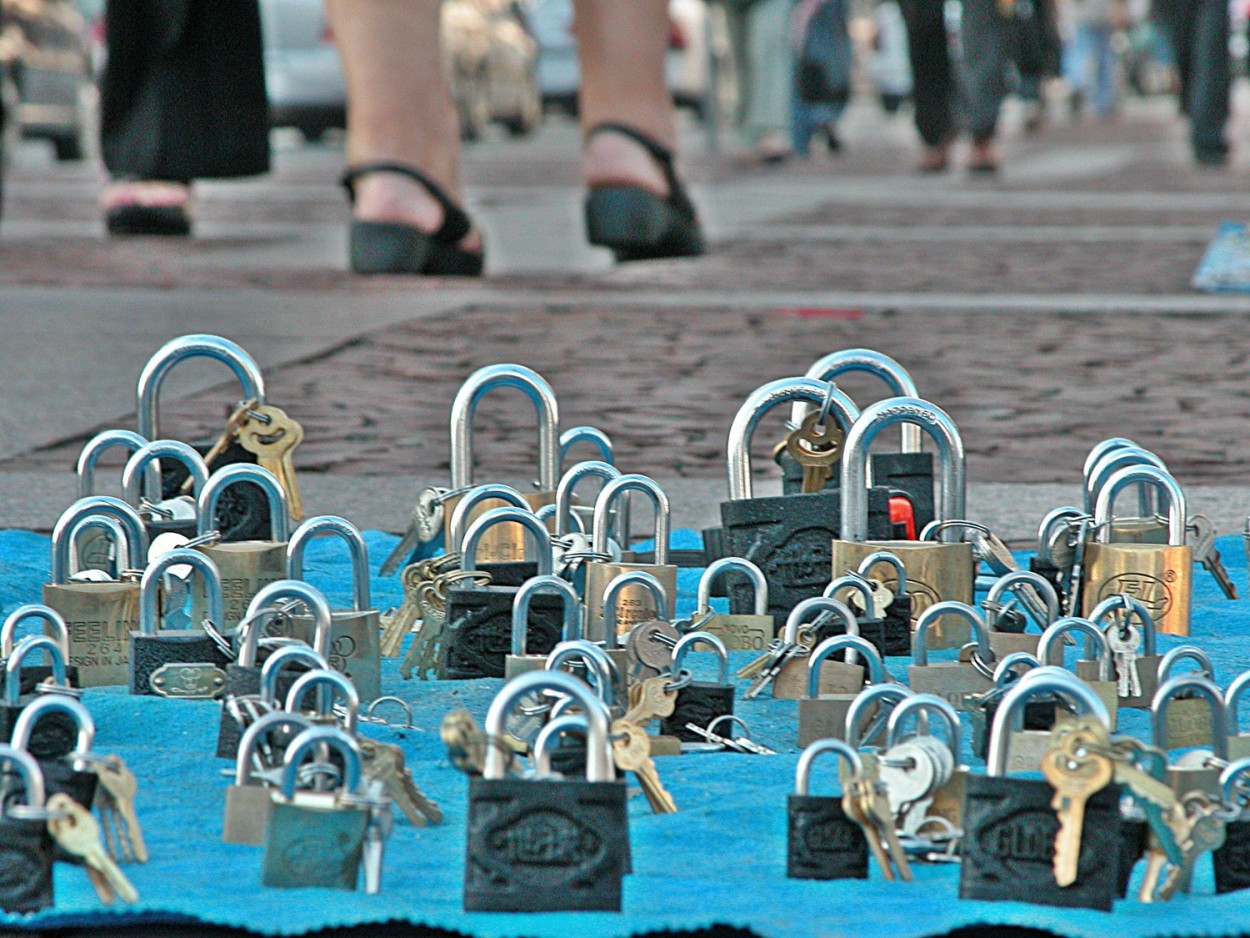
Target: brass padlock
{"points": [[177, 514], [1150, 526], [1007, 642], [93, 550], [1094, 668], [1161, 576], [948, 800], [740, 632], [520, 660], [875, 703], [953, 681], [825, 715], [1238, 744], [936, 571], [631, 606], [248, 802], [836, 677], [100, 615], [505, 569], [354, 633], [502, 543], [1198, 769], [1138, 639], [1045, 683], [654, 660], [246, 566], [1189, 718]]}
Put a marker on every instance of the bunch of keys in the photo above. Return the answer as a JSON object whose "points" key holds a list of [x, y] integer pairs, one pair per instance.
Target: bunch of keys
{"points": [[631, 746], [816, 445], [76, 832], [764, 669], [865, 802], [272, 436]]}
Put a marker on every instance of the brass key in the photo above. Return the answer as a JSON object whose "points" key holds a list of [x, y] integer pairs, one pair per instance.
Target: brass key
{"points": [[228, 436], [865, 803], [116, 797], [77, 832], [817, 448], [1074, 781], [650, 700], [631, 749], [397, 625], [273, 443], [384, 762]]}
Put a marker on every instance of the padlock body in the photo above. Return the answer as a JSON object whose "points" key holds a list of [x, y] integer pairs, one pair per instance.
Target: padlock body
{"points": [[1184, 780], [248, 808], [741, 632], [1238, 748], [100, 617], [313, 846], [1232, 860], [60, 777], [948, 800], [911, 473], [634, 603], [822, 842], [953, 681], [896, 627], [31, 676], [1009, 845], [1189, 723], [823, 717], [1107, 691], [510, 573], [514, 665], [1139, 531], [545, 846], [1158, 575], [186, 664], [699, 702], [1028, 748], [1052, 575], [26, 854], [246, 567], [503, 542], [354, 646], [477, 634], [1008, 643], [836, 677]]}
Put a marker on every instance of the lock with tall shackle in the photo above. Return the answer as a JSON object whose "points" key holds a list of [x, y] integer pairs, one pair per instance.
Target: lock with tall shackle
{"points": [[174, 515], [1094, 666]]}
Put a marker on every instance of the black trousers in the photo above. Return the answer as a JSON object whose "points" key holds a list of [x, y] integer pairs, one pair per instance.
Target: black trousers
{"points": [[183, 92], [1198, 30]]}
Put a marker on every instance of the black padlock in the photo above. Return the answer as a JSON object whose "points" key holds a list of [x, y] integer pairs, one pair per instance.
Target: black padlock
{"points": [[477, 632], [896, 622], [1038, 714], [26, 846], [862, 602], [165, 515], [1232, 859], [821, 841], [54, 625], [1008, 622], [512, 572], [698, 702], [53, 736], [546, 846], [63, 772], [1010, 826]]}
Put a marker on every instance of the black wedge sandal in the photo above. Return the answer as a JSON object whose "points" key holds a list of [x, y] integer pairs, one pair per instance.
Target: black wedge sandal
{"points": [[636, 223], [383, 247]]}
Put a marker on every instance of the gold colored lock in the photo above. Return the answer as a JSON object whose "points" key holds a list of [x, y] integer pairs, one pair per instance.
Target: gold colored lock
{"points": [[826, 715], [1204, 724], [952, 681], [1094, 668], [836, 677], [1027, 747], [1190, 719], [740, 632], [1006, 643], [501, 544], [1148, 661], [635, 581]]}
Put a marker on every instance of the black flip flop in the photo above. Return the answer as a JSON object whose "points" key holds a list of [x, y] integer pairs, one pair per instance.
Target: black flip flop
{"points": [[378, 247], [636, 223], [159, 220]]}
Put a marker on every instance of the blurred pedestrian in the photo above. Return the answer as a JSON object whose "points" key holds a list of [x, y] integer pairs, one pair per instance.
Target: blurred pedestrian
{"points": [[403, 140], [759, 31], [1091, 61], [1198, 31], [822, 79], [182, 98]]}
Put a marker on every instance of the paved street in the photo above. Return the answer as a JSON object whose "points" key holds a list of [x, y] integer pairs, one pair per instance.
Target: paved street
{"points": [[1045, 310]]}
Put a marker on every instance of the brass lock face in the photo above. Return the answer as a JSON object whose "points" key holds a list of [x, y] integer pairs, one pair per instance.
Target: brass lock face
{"points": [[100, 617], [502, 543], [634, 604], [1161, 577], [246, 568]]}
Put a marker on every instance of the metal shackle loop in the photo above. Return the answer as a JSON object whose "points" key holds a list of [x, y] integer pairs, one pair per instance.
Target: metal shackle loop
{"points": [[803, 771], [1010, 715], [761, 401], [599, 667], [269, 595], [852, 643], [1174, 656], [1011, 582], [13, 665], [309, 741], [611, 493], [659, 598], [464, 406], [570, 630], [550, 734], [338, 684], [1232, 701], [1098, 450], [980, 632], [1005, 670], [193, 346], [45, 614], [150, 587], [278, 661], [222, 479], [475, 496], [1157, 478], [111, 529], [357, 550], [1191, 685], [690, 640], [96, 447], [535, 532], [568, 484], [149, 455], [952, 490], [1050, 523], [856, 583], [759, 585], [278, 719], [599, 764], [1232, 789], [1133, 608], [862, 706], [44, 704], [1097, 648], [886, 557], [35, 790], [1118, 459], [586, 434], [930, 704], [808, 610], [62, 533], [866, 361]]}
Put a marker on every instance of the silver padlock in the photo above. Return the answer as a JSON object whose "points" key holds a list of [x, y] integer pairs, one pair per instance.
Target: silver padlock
{"points": [[953, 681], [566, 512], [53, 626], [648, 651], [248, 801], [865, 361], [874, 704], [944, 799], [520, 660], [278, 661], [1028, 747], [825, 715], [175, 514], [1198, 769], [88, 458], [1189, 718], [742, 631], [596, 666], [1015, 582], [331, 685], [1132, 646], [1094, 667]]}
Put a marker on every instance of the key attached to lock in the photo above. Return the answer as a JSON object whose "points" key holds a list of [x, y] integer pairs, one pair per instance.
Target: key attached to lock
{"points": [[272, 436], [817, 447], [1075, 773], [1207, 554]]}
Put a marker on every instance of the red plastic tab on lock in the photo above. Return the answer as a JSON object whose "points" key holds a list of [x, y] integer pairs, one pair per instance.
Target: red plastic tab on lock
{"points": [[902, 512]]}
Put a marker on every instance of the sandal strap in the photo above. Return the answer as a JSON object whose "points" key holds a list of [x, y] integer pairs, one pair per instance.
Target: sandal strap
{"points": [[661, 154], [456, 223]]}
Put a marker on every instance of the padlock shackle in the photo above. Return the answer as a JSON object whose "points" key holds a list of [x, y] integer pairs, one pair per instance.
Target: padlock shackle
{"points": [[886, 557], [113, 532], [1232, 793], [571, 627], [1046, 529], [611, 493], [223, 478], [1232, 701], [803, 771], [920, 704], [587, 434], [952, 487], [759, 584], [1097, 648], [150, 454], [1132, 607], [1180, 653], [13, 665], [41, 706], [659, 598], [1146, 475], [278, 660], [308, 741], [761, 401], [46, 614], [340, 686], [535, 532], [1009, 717], [179, 350], [551, 733], [267, 596], [599, 667], [474, 497], [878, 694], [464, 407], [870, 362], [1013, 581], [357, 550], [1098, 450], [96, 447], [691, 639], [970, 614], [853, 644], [278, 719], [1119, 459], [857, 583], [808, 610], [35, 789], [599, 764], [136, 541], [1005, 670], [568, 485], [150, 587], [1192, 686]]}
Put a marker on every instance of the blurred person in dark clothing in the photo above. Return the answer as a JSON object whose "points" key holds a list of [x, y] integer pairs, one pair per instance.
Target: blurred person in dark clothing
{"points": [[822, 74], [1198, 31]]}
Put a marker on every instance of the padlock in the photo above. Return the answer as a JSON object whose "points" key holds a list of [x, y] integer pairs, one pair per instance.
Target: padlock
{"points": [[836, 677], [93, 550], [477, 633], [53, 735], [1004, 638], [504, 571], [1232, 859], [632, 605], [1010, 825], [825, 715], [1160, 576], [936, 571], [246, 565], [947, 800], [742, 632], [1150, 527], [568, 512], [863, 603], [277, 674], [100, 615], [1189, 718], [874, 704], [698, 702], [1094, 667], [551, 746], [1055, 524], [331, 686], [953, 681], [897, 621], [183, 663], [504, 544], [821, 841], [316, 838], [589, 662], [245, 505], [174, 515], [355, 632], [1121, 627], [64, 764], [53, 626], [248, 802], [26, 846], [1198, 769], [553, 845], [1238, 743], [641, 658], [521, 659], [1038, 714]]}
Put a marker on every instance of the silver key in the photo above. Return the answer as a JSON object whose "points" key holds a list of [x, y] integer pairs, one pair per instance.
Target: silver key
{"points": [[781, 652], [990, 550], [424, 526], [909, 774], [1125, 643], [1206, 553]]}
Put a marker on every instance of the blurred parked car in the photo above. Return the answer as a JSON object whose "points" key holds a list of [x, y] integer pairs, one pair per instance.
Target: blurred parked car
{"points": [[488, 55]]}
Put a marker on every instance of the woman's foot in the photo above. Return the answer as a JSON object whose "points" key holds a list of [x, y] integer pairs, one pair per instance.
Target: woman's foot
{"points": [[934, 159], [983, 158], [147, 207], [398, 199]]}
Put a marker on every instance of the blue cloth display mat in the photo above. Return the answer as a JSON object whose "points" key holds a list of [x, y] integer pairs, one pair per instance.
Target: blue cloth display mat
{"points": [[1225, 266], [719, 860]]}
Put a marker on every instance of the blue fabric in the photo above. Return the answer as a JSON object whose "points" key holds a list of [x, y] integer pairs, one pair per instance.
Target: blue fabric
{"points": [[1225, 267], [720, 859]]}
